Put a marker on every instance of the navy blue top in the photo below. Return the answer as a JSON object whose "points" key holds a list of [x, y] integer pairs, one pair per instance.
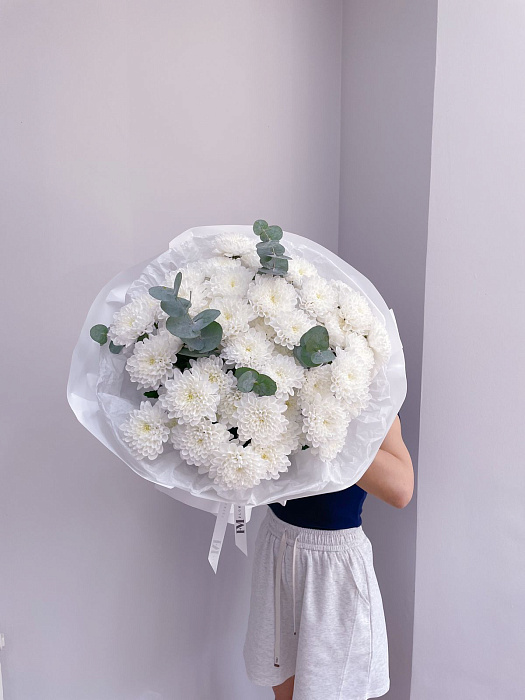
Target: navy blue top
{"points": [[325, 511]]}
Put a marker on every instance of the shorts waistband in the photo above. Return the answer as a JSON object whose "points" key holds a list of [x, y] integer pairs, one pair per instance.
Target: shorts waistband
{"points": [[312, 538]]}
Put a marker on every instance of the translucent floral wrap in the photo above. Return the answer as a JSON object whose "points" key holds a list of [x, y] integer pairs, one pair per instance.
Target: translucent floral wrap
{"points": [[102, 396]]}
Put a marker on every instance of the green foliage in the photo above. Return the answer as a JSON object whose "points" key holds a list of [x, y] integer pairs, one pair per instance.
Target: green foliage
{"points": [[207, 339], [152, 394], [271, 252], [99, 333], [200, 334], [314, 348], [115, 349], [250, 380], [175, 307]]}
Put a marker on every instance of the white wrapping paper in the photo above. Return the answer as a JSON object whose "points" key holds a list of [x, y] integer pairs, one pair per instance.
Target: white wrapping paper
{"points": [[101, 394]]}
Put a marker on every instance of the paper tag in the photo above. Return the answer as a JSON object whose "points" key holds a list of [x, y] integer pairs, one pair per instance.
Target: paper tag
{"points": [[218, 534], [239, 513]]}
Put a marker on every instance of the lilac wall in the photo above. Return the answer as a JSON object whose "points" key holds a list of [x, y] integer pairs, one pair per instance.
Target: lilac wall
{"points": [[123, 124], [470, 581], [387, 95]]}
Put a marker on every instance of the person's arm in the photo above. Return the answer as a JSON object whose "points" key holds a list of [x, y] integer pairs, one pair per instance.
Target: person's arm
{"points": [[390, 477]]}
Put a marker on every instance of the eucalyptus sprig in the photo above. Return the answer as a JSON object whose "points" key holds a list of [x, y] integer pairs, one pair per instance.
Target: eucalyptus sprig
{"points": [[201, 334], [251, 380], [99, 333], [314, 348], [271, 252]]}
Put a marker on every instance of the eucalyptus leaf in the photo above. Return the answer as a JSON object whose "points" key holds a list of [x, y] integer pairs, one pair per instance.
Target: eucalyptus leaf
{"points": [[322, 357], [195, 344], [177, 282], [162, 293], [270, 248], [260, 226], [274, 232], [115, 349], [264, 386], [315, 339], [242, 370], [99, 333], [205, 318], [212, 334], [186, 352], [247, 380], [280, 265], [175, 307], [272, 271], [182, 327], [281, 256], [303, 356]]}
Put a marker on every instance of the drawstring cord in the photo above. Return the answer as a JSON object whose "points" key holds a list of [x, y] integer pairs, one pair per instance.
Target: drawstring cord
{"points": [[278, 570]]}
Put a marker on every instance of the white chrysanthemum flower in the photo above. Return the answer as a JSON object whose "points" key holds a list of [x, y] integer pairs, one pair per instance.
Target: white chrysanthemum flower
{"points": [[152, 360], [212, 368], [298, 269], [236, 314], [192, 276], [275, 457], [379, 342], [199, 443], [294, 437], [317, 297], [133, 320], [260, 324], [357, 407], [270, 295], [146, 430], [324, 421], [251, 259], [237, 467], [233, 245], [317, 385], [335, 324], [350, 376], [327, 451], [211, 266], [357, 343], [227, 408], [355, 310], [251, 349], [190, 397], [233, 281], [290, 327], [286, 373], [260, 418]]}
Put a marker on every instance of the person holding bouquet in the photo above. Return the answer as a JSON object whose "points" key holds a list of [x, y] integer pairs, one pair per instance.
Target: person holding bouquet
{"points": [[316, 627]]}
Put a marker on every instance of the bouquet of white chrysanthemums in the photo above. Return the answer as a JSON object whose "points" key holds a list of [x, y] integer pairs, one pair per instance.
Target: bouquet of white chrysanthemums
{"points": [[244, 358]]}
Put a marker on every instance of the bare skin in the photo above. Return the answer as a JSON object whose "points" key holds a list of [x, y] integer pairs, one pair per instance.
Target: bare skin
{"points": [[390, 477]]}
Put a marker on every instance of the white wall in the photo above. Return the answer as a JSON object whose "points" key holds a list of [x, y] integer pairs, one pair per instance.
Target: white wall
{"points": [[124, 123], [470, 579], [387, 95]]}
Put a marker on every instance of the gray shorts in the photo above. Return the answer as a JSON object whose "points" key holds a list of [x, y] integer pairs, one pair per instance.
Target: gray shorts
{"points": [[316, 612]]}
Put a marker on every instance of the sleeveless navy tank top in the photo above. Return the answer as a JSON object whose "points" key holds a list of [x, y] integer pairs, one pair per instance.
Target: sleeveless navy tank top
{"points": [[324, 511]]}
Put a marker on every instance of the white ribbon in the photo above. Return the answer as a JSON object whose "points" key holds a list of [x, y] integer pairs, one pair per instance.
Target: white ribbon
{"points": [[240, 528], [218, 534], [219, 531]]}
